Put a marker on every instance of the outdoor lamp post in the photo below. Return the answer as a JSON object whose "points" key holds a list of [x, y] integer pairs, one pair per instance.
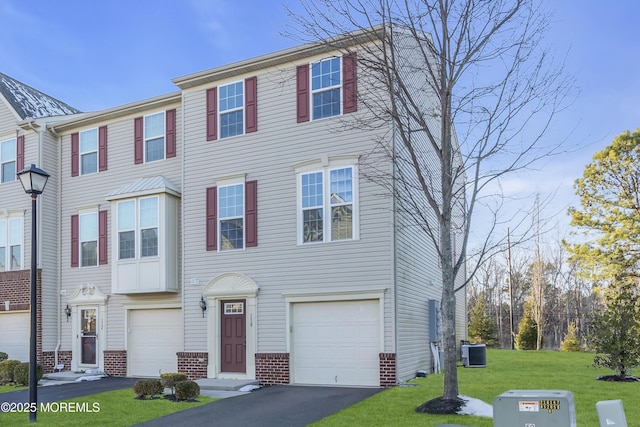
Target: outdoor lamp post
{"points": [[33, 181]]}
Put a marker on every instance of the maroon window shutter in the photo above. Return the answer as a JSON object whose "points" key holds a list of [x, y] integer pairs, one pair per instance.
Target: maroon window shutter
{"points": [[251, 104], [251, 213], [102, 237], [212, 114], [102, 148], [170, 130], [138, 140], [349, 84], [75, 154], [20, 153], [302, 90], [212, 218], [75, 237]]}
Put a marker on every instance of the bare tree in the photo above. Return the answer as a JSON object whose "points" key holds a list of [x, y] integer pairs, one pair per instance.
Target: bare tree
{"points": [[478, 66]]}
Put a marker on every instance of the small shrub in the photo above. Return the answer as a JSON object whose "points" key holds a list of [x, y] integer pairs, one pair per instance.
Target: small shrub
{"points": [[147, 388], [570, 341], [21, 373], [170, 379], [186, 390], [6, 370], [3, 356]]}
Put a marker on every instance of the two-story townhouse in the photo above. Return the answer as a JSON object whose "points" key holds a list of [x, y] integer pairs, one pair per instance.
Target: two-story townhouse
{"points": [[121, 177], [24, 140], [308, 273]]}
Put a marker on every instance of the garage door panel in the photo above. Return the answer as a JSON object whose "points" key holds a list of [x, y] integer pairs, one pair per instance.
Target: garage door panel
{"points": [[336, 343], [15, 330], [154, 339]]}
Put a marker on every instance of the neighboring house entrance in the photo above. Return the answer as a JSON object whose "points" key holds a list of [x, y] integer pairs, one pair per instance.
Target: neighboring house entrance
{"points": [[15, 331], [88, 336], [232, 333], [154, 339], [336, 343]]}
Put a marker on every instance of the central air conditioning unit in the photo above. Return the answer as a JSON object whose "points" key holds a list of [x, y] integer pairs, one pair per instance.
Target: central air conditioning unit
{"points": [[474, 355]]}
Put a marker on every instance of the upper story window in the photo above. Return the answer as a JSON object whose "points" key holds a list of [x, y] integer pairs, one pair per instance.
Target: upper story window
{"points": [[233, 108], [11, 235], [138, 228], [327, 202], [89, 151], [155, 137], [89, 238], [232, 215], [8, 156], [326, 88]]}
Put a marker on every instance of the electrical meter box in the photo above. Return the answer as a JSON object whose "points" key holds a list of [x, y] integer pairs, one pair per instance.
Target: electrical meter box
{"points": [[534, 408]]}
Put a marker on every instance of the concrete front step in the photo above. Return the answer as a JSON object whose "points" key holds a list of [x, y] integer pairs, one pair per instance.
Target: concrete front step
{"points": [[224, 384], [71, 376]]}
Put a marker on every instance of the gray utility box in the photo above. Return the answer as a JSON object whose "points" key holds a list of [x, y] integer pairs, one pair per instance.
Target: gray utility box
{"points": [[534, 408]]}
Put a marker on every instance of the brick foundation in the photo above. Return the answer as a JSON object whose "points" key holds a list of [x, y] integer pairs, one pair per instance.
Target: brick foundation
{"points": [[115, 363], [387, 369], [15, 287], [193, 364], [272, 368], [49, 360]]}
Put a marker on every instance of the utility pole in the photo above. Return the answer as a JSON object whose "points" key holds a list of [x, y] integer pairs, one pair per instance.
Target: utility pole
{"points": [[512, 328]]}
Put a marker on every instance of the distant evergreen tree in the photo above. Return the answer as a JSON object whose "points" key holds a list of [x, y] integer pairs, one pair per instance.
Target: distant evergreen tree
{"points": [[482, 329], [571, 341], [615, 331], [527, 336]]}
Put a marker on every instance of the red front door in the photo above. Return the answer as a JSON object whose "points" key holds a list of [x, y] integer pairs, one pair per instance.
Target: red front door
{"points": [[232, 332]]}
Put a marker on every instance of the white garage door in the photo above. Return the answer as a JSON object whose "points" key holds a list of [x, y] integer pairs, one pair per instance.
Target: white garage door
{"points": [[155, 336], [336, 343], [15, 331]]}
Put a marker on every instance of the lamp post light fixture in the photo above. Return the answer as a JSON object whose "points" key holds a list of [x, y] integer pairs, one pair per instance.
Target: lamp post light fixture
{"points": [[33, 181]]}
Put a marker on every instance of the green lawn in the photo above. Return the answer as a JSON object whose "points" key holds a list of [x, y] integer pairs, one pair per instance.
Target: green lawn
{"points": [[116, 408], [506, 370], [8, 388]]}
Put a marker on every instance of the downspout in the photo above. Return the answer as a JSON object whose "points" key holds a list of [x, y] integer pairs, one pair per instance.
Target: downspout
{"points": [[182, 257], [40, 157]]}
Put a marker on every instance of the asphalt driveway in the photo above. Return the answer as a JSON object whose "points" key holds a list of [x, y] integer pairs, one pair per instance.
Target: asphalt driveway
{"points": [[281, 406]]}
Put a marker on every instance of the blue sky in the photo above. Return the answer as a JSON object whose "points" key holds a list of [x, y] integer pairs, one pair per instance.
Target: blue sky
{"points": [[101, 54]]}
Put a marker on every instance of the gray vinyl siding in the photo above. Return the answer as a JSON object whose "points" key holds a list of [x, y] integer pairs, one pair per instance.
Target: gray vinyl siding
{"points": [[279, 265], [87, 190]]}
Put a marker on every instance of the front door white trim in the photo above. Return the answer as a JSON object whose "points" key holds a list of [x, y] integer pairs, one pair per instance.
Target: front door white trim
{"points": [[228, 286], [88, 296]]}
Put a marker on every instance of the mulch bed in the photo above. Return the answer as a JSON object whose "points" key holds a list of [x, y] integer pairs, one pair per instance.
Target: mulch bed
{"points": [[627, 379], [440, 405]]}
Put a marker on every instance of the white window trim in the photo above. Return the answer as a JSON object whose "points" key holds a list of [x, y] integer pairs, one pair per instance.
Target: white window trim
{"points": [[137, 230], [325, 165], [97, 239], [4, 161], [339, 86], [146, 139], [81, 153], [231, 110], [231, 183], [7, 216]]}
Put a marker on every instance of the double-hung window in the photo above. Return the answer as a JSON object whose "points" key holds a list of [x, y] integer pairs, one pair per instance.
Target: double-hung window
{"points": [[11, 235], [89, 151], [88, 225], [8, 160], [231, 108], [327, 200], [138, 221], [154, 134], [231, 216], [326, 88]]}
